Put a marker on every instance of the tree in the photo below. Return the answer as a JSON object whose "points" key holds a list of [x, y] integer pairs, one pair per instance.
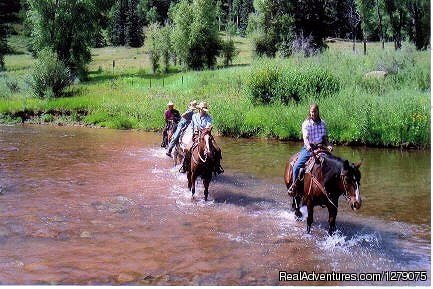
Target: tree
{"points": [[366, 10], [195, 34], [65, 27], [151, 11], [354, 18], [118, 15], [397, 17], [271, 25], [3, 34], [152, 33], [134, 30], [419, 22], [379, 9], [164, 46], [181, 16]]}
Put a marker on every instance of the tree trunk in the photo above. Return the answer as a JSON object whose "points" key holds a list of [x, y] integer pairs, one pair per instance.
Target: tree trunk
{"points": [[380, 25]]}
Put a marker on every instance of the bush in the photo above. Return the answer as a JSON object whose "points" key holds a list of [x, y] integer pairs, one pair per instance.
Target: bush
{"points": [[269, 83], [50, 75], [262, 82], [228, 51], [265, 45]]}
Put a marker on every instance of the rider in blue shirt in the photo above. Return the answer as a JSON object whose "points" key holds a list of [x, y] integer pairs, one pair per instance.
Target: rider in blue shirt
{"points": [[183, 123], [200, 121]]}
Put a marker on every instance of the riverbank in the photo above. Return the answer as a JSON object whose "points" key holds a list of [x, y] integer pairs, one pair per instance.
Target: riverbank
{"points": [[389, 112]]}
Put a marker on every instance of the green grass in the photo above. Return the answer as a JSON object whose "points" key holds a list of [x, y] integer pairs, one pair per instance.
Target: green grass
{"points": [[390, 112]]}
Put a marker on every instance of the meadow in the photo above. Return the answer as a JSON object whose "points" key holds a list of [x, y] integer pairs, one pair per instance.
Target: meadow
{"points": [[394, 111]]}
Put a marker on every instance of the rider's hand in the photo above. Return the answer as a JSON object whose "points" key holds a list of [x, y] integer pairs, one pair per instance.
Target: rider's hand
{"points": [[330, 148]]}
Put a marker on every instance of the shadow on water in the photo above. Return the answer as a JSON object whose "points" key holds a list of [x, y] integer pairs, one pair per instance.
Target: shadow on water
{"points": [[230, 197]]}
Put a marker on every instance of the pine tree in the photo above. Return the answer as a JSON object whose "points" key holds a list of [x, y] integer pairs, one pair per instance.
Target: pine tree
{"points": [[118, 16], [134, 30]]}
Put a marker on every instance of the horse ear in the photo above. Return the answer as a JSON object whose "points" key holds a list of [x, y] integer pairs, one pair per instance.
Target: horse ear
{"points": [[358, 164], [346, 165]]}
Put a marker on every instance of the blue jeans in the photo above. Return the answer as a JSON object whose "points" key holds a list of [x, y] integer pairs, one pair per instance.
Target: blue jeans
{"points": [[302, 159], [175, 138]]}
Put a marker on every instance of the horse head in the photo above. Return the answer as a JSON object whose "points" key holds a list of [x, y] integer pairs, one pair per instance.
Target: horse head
{"points": [[350, 179], [206, 142]]}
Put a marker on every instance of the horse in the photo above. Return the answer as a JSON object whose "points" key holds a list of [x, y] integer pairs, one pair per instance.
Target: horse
{"points": [[168, 132], [326, 178], [203, 159], [181, 146]]}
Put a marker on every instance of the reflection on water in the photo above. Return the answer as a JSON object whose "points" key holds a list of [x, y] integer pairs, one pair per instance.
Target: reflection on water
{"points": [[89, 206]]}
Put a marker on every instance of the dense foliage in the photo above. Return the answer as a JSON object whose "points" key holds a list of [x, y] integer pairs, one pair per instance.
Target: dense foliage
{"points": [[50, 75], [65, 27]]}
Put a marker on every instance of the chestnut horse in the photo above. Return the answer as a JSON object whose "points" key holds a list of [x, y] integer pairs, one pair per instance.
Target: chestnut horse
{"points": [[203, 156], [326, 179]]}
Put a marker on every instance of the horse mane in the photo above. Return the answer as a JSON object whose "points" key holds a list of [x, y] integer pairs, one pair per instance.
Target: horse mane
{"points": [[334, 165]]}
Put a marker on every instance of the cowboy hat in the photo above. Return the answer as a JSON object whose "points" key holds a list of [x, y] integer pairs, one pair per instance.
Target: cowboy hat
{"points": [[170, 103], [203, 106], [193, 104]]}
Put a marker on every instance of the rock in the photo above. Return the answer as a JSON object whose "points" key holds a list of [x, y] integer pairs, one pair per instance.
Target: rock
{"points": [[125, 278], [377, 74], [85, 234]]}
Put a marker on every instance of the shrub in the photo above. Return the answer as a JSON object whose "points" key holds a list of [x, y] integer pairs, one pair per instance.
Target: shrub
{"points": [[50, 75], [262, 82], [269, 83], [319, 82], [228, 51]]}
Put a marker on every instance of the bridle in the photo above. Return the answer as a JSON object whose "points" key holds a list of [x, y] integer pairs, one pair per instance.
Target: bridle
{"points": [[343, 178], [206, 149]]}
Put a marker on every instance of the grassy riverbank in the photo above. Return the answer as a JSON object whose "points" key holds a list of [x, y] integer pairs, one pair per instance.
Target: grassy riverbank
{"points": [[390, 112]]}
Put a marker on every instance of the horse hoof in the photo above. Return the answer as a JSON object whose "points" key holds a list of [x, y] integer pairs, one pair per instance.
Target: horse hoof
{"points": [[308, 230], [298, 214]]}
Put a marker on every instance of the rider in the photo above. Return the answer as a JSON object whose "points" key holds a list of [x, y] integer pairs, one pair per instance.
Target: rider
{"points": [[201, 120], [314, 133], [184, 122], [171, 114]]}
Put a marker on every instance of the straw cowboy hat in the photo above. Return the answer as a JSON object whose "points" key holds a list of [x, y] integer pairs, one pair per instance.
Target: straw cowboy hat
{"points": [[203, 106], [170, 103], [193, 104]]}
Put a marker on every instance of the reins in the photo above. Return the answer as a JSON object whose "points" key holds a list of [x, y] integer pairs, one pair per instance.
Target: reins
{"points": [[323, 190], [321, 187], [203, 159]]}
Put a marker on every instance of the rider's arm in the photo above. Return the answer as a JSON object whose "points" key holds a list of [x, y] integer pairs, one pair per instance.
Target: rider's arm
{"points": [[325, 140], [305, 136]]}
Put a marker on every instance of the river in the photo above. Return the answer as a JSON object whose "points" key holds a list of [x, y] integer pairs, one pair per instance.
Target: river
{"points": [[98, 206]]}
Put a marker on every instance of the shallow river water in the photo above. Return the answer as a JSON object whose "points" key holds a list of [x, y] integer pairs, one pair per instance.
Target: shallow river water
{"points": [[99, 206]]}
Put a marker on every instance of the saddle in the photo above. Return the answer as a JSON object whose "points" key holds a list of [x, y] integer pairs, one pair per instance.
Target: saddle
{"points": [[316, 158]]}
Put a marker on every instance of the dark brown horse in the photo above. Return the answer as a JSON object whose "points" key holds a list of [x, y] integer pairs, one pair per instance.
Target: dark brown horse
{"points": [[168, 132], [203, 159], [326, 178]]}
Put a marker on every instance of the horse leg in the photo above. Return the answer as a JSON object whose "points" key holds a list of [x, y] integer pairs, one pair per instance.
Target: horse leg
{"points": [[193, 179], [206, 182], [332, 217], [296, 205], [310, 208]]}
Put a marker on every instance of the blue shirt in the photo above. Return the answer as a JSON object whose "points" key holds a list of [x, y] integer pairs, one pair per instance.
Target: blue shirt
{"points": [[188, 115], [200, 122]]}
